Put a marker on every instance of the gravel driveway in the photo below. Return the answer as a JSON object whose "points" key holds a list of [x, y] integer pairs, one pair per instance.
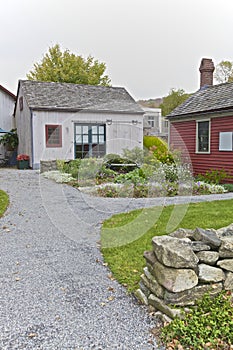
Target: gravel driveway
{"points": [[55, 291]]}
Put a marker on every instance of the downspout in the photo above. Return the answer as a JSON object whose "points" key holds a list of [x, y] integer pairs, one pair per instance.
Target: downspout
{"points": [[32, 148]]}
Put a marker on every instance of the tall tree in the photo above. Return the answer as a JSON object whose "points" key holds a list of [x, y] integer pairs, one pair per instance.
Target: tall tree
{"points": [[66, 67], [172, 100], [224, 72]]}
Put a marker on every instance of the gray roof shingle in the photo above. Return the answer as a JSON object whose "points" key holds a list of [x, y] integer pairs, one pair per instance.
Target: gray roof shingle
{"points": [[208, 99], [74, 97]]}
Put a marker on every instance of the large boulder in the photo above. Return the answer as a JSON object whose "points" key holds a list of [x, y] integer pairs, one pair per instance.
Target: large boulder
{"points": [[226, 264], [172, 252], [210, 274], [207, 257], [160, 305], [174, 280], [228, 284], [189, 297], [207, 236], [226, 248], [151, 283]]}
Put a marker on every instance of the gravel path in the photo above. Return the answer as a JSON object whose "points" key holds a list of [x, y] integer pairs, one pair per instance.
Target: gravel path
{"points": [[55, 291]]}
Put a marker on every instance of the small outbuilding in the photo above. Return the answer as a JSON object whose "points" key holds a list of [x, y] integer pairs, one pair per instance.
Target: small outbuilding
{"points": [[69, 121], [202, 127]]}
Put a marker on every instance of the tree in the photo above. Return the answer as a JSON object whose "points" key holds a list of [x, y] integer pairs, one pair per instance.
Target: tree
{"points": [[66, 67], [224, 72], [172, 100]]}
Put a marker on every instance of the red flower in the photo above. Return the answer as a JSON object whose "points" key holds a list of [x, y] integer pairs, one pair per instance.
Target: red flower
{"points": [[22, 157]]}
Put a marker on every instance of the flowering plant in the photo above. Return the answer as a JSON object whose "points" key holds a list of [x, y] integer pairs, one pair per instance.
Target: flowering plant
{"points": [[22, 157]]}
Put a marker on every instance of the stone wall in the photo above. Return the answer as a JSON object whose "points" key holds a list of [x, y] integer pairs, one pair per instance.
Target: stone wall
{"points": [[185, 265], [48, 165]]}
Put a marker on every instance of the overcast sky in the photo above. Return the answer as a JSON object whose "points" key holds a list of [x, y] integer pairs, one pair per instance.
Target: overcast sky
{"points": [[149, 46]]}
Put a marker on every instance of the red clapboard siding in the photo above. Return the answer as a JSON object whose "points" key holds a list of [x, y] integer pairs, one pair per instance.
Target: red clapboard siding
{"points": [[183, 137]]}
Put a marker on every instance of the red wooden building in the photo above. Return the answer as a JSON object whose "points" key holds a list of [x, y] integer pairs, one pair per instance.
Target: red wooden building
{"points": [[202, 127]]}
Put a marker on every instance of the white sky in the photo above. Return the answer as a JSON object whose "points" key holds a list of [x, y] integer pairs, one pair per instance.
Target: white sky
{"points": [[149, 46]]}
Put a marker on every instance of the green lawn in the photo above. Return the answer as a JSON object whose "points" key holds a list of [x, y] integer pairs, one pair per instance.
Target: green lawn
{"points": [[138, 227], [4, 201]]}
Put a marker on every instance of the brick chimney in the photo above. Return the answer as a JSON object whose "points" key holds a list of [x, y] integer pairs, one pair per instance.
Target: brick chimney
{"points": [[206, 69]]}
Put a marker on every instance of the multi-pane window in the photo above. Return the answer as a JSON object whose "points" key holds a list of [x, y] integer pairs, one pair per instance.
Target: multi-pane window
{"points": [[151, 120], [89, 140], [203, 136], [53, 135]]}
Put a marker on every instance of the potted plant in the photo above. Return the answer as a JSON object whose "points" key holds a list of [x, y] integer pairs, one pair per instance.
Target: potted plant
{"points": [[22, 161]]}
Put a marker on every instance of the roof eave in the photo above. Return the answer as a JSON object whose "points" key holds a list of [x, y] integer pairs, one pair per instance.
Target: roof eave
{"points": [[7, 92], [192, 115], [76, 110]]}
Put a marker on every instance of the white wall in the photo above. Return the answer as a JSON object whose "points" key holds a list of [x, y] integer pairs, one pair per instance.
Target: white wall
{"points": [[121, 133], [23, 125]]}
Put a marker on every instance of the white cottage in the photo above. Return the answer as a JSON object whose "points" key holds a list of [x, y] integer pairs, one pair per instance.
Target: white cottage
{"points": [[68, 121]]}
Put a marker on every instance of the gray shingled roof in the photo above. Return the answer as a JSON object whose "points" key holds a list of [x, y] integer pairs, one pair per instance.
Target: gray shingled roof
{"points": [[208, 99], [73, 97]]}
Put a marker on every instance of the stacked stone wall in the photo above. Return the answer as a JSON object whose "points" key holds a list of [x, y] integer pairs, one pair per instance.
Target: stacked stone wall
{"points": [[184, 266], [48, 165]]}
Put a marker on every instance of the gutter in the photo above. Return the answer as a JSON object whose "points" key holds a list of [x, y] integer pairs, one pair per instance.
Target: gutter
{"points": [[32, 148]]}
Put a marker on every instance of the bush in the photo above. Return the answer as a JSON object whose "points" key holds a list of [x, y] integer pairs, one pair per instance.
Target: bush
{"points": [[70, 167], [159, 148], [228, 187], [111, 159], [136, 155], [214, 176]]}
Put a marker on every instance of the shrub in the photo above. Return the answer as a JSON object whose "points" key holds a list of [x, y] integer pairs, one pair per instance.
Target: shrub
{"points": [[136, 155], [201, 187], [159, 148], [69, 167], [111, 159], [215, 176], [228, 187], [105, 174], [108, 191]]}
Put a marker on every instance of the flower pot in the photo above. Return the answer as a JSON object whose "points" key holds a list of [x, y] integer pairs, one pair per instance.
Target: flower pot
{"points": [[23, 164]]}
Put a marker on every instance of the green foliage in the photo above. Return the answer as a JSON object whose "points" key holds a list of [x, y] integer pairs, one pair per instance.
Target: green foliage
{"points": [[71, 167], [135, 177], [173, 100], [159, 148], [224, 72], [105, 175], [108, 191], [215, 176], [89, 170], [228, 187], [4, 201], [207, 326], [10, 140], [66, 67], [118, 163], [136, 155]]}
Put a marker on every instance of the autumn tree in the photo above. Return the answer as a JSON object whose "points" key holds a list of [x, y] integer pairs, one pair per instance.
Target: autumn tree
{"points": [[172, 100], [66, 67], [224, 72]]}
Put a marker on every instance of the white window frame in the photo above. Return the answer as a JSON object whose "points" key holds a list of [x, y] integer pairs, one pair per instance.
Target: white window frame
{"points": [[197, 144], [151, 120]]}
